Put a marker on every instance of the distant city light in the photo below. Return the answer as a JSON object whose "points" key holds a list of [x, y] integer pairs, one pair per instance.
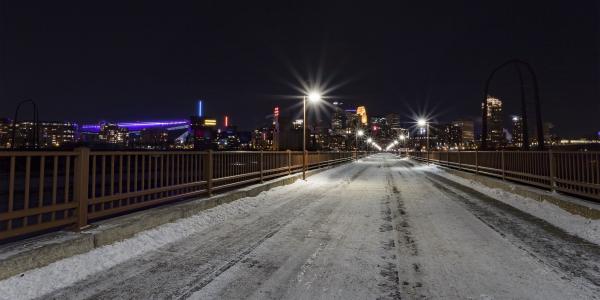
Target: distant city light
{"points": [[199, 108], [226, 121], [369, 140], [210, 122], [139, 125], [402, 137], [360, 133]]}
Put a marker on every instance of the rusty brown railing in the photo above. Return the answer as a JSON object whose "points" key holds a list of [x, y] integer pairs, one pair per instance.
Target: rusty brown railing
{"points": [[42, 191], [575, 173]]}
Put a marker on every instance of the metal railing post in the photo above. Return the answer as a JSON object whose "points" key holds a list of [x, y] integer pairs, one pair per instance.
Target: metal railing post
{"points": [[289, 155], [502, 163], [80, 185], [209, 172], [476, 161], [262, 161], [552, 170], [304, 165], [459, 160]]}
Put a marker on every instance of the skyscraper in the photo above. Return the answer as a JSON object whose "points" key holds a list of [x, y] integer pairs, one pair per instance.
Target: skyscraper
{"points": [[467, 128], [517, 131], [338, 119], [494, 121], [393, 121], [362, 112]]}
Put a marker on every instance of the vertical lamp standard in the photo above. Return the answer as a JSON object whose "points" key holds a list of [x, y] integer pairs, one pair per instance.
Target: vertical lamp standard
{"points": [[312, 97], [369, 141], [359, 132], [424, 123], [402, 139]]}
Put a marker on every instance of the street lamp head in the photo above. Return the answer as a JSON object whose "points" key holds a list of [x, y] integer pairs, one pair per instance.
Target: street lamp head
{"points": [[369, 140], [421, 122], [395, 142], [314, 97], [402, 137], [360, 133]]}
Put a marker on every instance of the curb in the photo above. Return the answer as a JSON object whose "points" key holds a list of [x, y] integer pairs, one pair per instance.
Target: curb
{"points": [[567, 203], [36, 252]]}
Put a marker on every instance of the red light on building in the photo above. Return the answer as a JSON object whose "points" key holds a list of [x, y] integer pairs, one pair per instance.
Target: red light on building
{"points": [[226, 121], [276, 112]]}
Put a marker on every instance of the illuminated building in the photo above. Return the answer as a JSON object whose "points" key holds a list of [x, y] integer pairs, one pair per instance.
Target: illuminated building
{"points": [[494, 121], [517, 131], [352, 119], [111, 133], [5, 131], [262, 138], [393, 120], [362, 112], [338, 119], [50, 134], [203, 133], [450, 135], [276, 139], [297, 124], [467, 129], [154, 138]]}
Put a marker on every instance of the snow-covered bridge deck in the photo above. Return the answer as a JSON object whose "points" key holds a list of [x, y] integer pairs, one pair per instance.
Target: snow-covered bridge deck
{"points": [[378, 228]]}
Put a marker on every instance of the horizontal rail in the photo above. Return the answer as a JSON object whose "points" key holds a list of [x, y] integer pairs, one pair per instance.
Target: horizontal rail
{"points": [[49, 190], [576, 173]]}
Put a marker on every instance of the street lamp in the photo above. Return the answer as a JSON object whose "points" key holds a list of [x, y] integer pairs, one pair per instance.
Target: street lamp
{"points": [[313, 97], [359, 132], [402, 138], [424, 123]]}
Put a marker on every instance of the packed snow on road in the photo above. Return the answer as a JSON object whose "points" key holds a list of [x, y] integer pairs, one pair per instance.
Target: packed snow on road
{"points": [[379, 228]]}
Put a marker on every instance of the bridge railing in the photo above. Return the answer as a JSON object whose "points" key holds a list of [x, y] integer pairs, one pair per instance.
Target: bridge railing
{"points": [[46, 190], [570, 172]]}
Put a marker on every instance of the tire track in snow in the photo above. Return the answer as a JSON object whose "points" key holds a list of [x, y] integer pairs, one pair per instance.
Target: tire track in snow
{"points": [[572, 256]]}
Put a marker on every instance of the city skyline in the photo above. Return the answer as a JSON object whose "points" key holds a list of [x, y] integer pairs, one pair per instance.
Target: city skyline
{"points": [[123, 70]]}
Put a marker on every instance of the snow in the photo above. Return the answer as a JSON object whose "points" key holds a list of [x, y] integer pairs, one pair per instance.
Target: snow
{"points": [[380, 228], [37, 282], [585, 228]]}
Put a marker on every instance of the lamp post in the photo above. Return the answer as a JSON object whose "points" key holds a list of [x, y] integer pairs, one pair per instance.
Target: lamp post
{"points": [[369, 141], [312, 97], [359, 132], [402, 139], [425, 123]]}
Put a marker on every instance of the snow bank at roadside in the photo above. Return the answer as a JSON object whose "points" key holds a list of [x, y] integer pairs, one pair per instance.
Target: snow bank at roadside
{"points": [[582, 227], [60, 274]]}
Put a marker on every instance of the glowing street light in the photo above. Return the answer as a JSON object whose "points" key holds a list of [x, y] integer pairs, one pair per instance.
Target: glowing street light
{"points": [[369, 140], [313, 97], [359, 132], [402, 138], [424, 123]]}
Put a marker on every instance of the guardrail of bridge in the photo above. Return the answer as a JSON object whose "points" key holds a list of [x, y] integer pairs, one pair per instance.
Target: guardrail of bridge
{"points": [[565, 171], [46, 190]]}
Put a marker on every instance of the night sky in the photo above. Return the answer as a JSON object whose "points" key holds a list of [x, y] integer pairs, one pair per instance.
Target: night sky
{"points": [[87, 62]]}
